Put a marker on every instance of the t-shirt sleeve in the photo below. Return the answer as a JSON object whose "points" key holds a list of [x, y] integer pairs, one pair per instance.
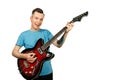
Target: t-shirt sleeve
{"points": [[20, 40]]}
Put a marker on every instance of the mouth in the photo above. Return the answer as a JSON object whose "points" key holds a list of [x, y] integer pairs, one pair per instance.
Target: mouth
{"points": [[37, 25]]}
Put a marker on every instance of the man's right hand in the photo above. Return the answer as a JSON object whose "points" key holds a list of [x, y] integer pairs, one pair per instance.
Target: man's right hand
{"points": [[31, 57]]}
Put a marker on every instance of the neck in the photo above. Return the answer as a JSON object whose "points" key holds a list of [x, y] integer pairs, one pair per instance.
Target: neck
{"points": [[32, 29]]}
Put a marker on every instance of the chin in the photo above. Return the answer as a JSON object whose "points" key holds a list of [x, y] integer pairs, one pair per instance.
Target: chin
{"points": [[37, 27]]}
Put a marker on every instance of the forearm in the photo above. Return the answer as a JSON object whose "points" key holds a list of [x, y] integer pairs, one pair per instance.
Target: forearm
{"points": [[17, 54], [61, 41]]}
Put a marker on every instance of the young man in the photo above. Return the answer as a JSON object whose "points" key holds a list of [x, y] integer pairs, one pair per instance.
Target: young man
{"points": [[29, 38]]}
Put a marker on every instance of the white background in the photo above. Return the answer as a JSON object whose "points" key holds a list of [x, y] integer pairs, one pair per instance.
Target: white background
{"points": [[92, 48]]}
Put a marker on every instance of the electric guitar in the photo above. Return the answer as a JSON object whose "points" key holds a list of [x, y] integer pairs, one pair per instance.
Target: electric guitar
{"points": [[31, 70]]}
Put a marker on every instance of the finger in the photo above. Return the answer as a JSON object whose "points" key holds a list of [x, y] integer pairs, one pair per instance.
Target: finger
{"points": [[31, 61], [72, 24], [32, 54], [35, 58]]}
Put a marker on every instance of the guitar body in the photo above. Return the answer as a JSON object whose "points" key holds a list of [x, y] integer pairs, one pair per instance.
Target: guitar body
{"points": [[31, 70]]}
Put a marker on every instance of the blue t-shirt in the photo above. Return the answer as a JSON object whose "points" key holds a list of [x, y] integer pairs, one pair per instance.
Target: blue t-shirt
{"points": [[29, 38]]}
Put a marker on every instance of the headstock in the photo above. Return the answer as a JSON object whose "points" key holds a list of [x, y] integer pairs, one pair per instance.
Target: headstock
{"points": [[79, 17]]}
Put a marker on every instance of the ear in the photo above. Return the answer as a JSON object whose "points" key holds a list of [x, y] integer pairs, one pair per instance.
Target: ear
{"points": [[30, 17]]}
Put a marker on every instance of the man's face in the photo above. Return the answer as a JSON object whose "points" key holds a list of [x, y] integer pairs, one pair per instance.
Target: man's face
{"points": [[36, 20]]}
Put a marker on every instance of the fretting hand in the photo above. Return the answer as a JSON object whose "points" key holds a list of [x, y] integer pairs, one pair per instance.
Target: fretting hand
{"points": [[69, 27]]}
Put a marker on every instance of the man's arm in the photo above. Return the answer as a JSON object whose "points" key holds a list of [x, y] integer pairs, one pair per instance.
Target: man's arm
{"points": [[29, 57], [61, 41], [16, 52]]}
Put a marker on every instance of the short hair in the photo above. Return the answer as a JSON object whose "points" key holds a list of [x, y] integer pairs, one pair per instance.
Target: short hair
{"points": [[39, 10]]}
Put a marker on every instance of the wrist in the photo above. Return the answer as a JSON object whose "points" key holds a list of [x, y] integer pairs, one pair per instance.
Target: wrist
{"points": [[23, 55], [66, 31]]}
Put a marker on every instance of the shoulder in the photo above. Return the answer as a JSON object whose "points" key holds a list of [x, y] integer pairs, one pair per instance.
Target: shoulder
{"points": [[24, 32]]}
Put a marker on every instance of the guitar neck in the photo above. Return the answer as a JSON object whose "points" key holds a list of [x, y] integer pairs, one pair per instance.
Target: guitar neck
{"points": [[54, 37], [77, 18]]}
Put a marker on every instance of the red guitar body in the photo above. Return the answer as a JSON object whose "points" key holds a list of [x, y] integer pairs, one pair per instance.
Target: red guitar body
{"points": [[31, 70]]}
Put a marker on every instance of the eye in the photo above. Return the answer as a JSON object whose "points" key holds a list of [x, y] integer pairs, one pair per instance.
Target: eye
{"points": [[41, 19]]}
